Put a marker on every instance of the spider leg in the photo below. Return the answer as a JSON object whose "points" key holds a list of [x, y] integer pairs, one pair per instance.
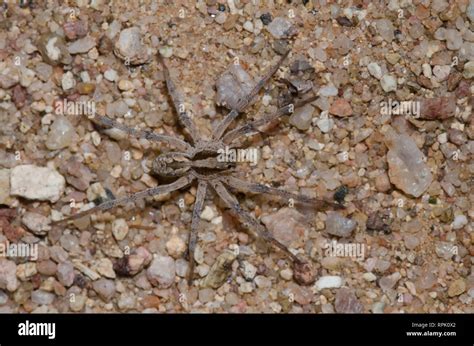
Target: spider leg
{"points": [[177, 99], [107, 122], [252, 127], [244, 102], [157, 190], [259, 188], [248, 219], [198, 204]]}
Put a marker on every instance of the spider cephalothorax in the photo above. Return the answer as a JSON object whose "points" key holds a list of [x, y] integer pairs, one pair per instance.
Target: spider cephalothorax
{"points": [[200, 162]]}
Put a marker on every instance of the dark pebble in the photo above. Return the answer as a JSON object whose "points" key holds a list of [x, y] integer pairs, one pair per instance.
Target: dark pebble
{"points": [[266, 18]]}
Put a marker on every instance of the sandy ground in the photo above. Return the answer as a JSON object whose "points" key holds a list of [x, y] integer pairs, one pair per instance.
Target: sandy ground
{"points": [[403, 242]]}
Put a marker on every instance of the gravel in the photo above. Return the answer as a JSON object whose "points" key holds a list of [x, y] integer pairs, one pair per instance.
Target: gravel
{"points": [[36, 183], [161, 271], [402, 172]]}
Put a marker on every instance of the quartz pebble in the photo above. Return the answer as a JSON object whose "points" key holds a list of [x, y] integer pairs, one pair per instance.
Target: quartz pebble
{"points": [[407, 169], [281, 27], [325, 124], [375, 70], [369, 277], [61, 134], [328, 282], [248, 270], [42, 297], [104, 288], [459, 221], [78, 303], [82, 45], [36, 223], [105, 267], [468, 70], [287, 225], [441, 72], [120, 229], [388, 83], [65, 273], [302, 117], [385, 29], [232, 86], [338, 225], [37, 183], [111, 75], [175, 246], [68, 82], [453, 39], [389, 281], [162, 271], [208, 213], [286, 274], [129, 47]]}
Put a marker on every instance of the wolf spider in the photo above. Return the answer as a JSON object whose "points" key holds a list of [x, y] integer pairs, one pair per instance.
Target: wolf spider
{"points": [[199, 162]]}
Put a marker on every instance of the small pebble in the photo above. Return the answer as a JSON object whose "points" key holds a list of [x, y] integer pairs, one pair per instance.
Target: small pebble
{"points": [[370, 277], [175, 246], [248, 270], [328, 282], [375, 70], [120, 229], [208, 213], [338, 225], [281, 27], [459, 221], [61, 134], [104, 288], [37, 183], [341, 108], [388, 83], [111, 75], [302, 117], [162, 271], [68, 82], [457, 288]]}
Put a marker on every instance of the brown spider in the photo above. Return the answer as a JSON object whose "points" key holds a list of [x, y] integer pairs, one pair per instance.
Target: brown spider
{"points": [[199, 162]]}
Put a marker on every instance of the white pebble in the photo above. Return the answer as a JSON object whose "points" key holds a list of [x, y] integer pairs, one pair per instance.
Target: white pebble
{"points": [[207, 214], [248, 26], [459, 222], [369, 277], [36, 183], [375, 70], [427, 70], [388, 83], [110, 75], [68, 81], [120, 229], [328, 282]]}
